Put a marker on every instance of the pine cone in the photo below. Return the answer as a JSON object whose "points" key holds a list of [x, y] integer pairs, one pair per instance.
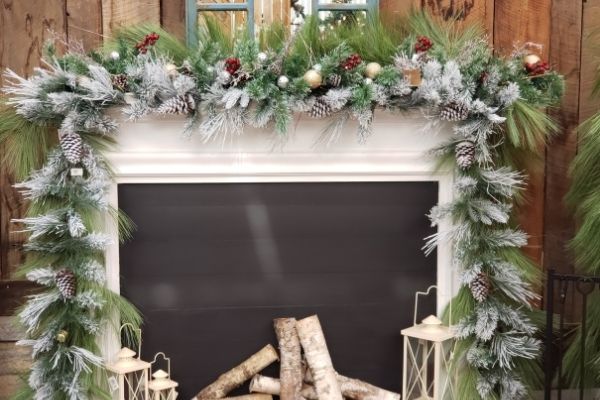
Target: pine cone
{"points": [[320, 109], [454, 111], [334, 80], [480, 287], [181, 104], [465, 154], [66, 282], [72, 146], [119, 81]]}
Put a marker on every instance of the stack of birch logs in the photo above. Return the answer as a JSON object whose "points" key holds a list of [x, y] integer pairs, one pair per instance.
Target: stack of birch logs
{"points": [[311, 377]]}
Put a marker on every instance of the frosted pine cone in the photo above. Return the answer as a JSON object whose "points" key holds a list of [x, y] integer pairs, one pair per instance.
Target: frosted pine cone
{"points": [[182, 104], [454, 111], [334, 80], [320, 109], [480, 287], [72, 146], [66, 282], [119, 81], [465, 154]]}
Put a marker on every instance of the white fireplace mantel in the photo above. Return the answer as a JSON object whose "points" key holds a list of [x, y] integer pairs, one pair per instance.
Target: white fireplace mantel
{"points": [[155, 151]]}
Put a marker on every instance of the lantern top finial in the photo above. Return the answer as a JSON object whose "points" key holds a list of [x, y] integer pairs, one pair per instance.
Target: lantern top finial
{"points": [[160, 374], [432, 320], [431, 329], [126, 352]]}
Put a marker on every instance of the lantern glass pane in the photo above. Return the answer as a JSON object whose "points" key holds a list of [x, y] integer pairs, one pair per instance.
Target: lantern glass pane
{"points": [[426, 370]]}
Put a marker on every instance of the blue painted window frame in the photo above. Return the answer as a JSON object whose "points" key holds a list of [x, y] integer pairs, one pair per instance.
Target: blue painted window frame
{"points": [[193, 7], [369, 5]]}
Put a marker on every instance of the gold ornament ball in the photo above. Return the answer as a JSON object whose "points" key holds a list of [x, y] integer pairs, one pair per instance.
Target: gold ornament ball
{"points": [[171, 69], [313, 78], [531, 59], [62, 336], [372, 70]]}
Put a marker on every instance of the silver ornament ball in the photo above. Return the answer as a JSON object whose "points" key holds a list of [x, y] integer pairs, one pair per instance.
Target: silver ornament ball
{"points": [[114, 55], [317, 67], [283, 81], [368, 81], [262, 57]]}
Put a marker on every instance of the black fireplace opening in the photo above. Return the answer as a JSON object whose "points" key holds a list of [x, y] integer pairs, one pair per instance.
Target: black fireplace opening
{"points": [[211, 265]]}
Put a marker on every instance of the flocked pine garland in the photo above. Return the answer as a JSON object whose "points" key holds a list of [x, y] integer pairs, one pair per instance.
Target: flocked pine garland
{"points": [[494, 106]]}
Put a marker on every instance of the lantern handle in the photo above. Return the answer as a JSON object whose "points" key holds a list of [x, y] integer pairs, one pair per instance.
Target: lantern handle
{"points": [[426, 293], [139, 335], [167, 359]]}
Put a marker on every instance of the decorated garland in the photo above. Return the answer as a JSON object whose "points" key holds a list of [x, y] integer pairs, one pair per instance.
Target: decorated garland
{"points": [[584, 199], [495, 107]]}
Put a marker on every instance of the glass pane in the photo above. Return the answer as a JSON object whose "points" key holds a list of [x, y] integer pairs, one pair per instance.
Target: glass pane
{"points": [[330, 19], [230, 21]]}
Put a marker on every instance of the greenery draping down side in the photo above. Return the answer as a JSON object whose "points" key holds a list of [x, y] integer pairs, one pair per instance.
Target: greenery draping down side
{"points": [[584, 199], [495, 107]]}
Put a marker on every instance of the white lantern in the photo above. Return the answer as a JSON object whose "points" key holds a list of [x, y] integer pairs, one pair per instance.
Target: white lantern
{"points": [[161, 386], [129, 378], [428, 350]]}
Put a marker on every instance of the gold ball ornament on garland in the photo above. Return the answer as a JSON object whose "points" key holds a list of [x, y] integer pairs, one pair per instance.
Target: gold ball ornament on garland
{"points": [[372, 70], [313, 78], [62, 336], [171, 69]]}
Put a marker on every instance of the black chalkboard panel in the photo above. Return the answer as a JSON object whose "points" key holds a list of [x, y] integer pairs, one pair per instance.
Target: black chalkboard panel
{"points": [[211, 265]]}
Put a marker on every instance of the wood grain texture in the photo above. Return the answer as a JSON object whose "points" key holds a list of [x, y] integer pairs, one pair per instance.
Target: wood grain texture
{"points": [[116, 13], [14, 363], [172, 17], [565, 56], [590, 59], [9, 330], [84, 23]]}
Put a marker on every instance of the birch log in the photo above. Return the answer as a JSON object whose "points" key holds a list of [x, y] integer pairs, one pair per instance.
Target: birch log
{"points": [[354, 389], [290, 352], [240, 374], [254, 396], [265, 384], [318, 358]]}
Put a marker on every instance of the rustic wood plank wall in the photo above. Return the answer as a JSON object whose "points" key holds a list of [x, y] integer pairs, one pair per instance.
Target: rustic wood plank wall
{"points": [[565, 29]]}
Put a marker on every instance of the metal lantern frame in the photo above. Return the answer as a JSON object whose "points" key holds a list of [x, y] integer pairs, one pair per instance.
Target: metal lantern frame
{"points": [[132, 373], [162, 387], [428, 346]]}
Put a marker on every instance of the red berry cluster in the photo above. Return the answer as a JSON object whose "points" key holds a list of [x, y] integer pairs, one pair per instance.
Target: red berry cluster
{"points": [[351, 62], [232, 65], [537, 68], [149, 40], [423, 44]]}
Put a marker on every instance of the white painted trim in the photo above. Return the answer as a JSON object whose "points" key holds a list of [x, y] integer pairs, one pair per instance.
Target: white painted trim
{"points": [[154, 152]]}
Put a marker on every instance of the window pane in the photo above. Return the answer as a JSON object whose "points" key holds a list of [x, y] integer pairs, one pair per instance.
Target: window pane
{"points": [[230, 21], [330, 19]]}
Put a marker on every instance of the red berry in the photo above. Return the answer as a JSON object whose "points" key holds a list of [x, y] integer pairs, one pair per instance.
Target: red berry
{"points": [[537, 68], [351, 62], [232, 65], [423, 44]]}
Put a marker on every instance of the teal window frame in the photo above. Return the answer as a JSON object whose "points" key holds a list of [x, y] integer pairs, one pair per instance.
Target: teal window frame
{"points": [[193, 7], [369, 5]]}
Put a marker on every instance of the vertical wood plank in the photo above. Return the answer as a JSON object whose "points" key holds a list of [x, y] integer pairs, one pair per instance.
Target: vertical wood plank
{"points": [[116, 13], [172, 17], [84, 23], [517, 22], [565, 56], [590, 59]]}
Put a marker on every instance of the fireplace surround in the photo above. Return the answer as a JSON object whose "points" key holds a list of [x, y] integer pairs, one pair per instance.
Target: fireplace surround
{"points": [[153, 151]]}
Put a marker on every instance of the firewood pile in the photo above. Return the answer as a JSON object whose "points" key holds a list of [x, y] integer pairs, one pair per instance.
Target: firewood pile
{"points": [[306, 371]]}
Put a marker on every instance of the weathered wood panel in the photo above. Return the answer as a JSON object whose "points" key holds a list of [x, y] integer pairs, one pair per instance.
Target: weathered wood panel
{"points": [[116, 13], [14, 363], [172, 17], [565, 56], [590, 59], [84, 23]]}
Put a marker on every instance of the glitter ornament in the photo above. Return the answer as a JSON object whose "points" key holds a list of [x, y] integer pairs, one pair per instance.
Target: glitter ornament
{"points": [[317, 67], [313, 78], [351, 62], [283, 81], [372, 70], [232, 65]]}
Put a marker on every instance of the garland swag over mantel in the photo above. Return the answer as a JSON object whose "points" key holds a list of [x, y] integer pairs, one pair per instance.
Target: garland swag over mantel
{"points": [[495, 107]]}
